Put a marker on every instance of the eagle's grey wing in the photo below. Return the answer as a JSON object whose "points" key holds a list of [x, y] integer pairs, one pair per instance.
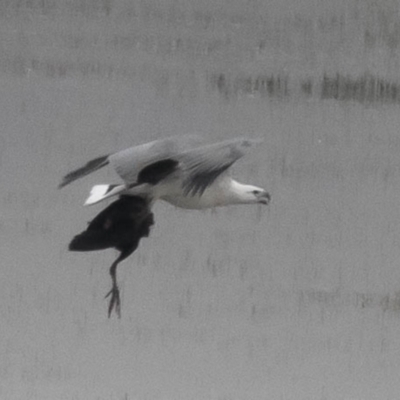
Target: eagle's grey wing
{"points": [[154, 161], [130, 162], [201, 166], [88, 168]]}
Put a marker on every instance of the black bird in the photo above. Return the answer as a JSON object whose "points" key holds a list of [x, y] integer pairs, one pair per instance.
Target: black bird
{"points": [[121, 226]]}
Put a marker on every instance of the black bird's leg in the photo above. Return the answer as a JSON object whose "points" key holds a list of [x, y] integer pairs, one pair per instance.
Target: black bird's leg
{"points": [[115, 301], [114, 292]]}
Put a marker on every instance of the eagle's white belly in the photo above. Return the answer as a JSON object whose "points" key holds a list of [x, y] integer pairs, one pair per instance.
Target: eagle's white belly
{"points": [[213, 196]]}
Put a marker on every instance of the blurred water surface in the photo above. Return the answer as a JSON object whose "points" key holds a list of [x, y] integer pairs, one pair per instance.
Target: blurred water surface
{"points": [[300, 300]]}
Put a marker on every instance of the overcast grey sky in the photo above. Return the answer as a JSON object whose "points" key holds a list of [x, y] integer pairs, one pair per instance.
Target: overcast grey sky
{"points": [[296, 301]]}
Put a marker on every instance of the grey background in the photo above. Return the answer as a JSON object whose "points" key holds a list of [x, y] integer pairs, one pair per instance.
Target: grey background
{"points": [[300, 300]]}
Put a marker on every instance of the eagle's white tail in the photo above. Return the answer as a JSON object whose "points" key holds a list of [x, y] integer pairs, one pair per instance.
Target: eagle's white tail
{"points": [[102, 192]]}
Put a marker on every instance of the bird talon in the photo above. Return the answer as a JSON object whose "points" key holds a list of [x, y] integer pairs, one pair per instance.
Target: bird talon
{"points": [[115, 302]]}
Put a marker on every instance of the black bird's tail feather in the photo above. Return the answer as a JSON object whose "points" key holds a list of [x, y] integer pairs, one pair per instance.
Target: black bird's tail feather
{"points": [[89, 241], [88, 168]]}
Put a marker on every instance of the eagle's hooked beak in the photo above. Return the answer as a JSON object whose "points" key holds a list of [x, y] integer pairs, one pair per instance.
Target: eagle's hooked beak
{"points": [[264, 197]]}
